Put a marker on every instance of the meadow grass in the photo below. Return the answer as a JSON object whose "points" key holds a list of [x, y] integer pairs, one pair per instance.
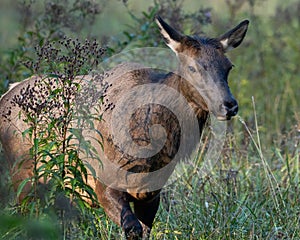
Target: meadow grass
{"points": [[255, 195], [250, 194]]}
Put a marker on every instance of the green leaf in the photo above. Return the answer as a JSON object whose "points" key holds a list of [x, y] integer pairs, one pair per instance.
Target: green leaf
{"points": [[90, 168], [22, 185], [27, 132]]}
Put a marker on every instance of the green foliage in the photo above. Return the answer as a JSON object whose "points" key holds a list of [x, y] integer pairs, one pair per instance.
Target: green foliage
{"points": [[267, 71], [50, 109], [50, 21], [210, 212], [13, 227], [144, 32], [244, 197]]}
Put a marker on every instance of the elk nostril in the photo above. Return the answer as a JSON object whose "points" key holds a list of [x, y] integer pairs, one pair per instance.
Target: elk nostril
{"points": [[234, 110], [231, 107], [230, 104]]}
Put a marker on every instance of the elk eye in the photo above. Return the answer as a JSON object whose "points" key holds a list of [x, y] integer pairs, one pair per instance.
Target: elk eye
{"points": [[192, 69]]}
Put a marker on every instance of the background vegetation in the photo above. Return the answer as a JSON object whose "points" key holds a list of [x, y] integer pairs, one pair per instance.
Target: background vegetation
{"points": [[253, 192]]}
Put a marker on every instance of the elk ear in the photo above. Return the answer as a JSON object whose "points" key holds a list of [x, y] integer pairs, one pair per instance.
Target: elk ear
{"points": [[234, 37], [171, 36]]}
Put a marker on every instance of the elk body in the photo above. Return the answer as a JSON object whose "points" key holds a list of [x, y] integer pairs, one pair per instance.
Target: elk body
{"points": [[201, 79]]}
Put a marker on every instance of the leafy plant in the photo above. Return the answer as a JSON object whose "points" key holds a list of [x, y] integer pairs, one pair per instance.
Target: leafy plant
{"points": [[43, 22], [56, 123], [143, 32]]}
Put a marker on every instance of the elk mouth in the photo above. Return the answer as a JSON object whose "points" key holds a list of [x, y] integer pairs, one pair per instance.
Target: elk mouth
{"points": [[223, 117], [228, 115], [227, 111]]}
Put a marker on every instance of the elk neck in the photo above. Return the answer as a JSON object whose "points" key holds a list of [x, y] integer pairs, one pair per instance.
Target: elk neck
{"points": [[189, 92]]}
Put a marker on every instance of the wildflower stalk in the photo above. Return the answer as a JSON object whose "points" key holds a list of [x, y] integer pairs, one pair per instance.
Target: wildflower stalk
{"points": [[49, 108]]}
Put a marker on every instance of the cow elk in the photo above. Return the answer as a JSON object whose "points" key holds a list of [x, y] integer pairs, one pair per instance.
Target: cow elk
{"points": [[140, 141]]}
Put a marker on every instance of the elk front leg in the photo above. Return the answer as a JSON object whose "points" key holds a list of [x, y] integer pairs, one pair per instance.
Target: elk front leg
{"points": [[116, 206], [145, 211]]}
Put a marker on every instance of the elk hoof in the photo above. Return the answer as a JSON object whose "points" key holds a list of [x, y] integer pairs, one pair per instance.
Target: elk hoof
{"points": [[134, 233], [131, 225]]}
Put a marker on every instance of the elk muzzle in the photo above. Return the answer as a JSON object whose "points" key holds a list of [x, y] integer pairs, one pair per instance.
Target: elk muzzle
{"points": [[228, 110]]}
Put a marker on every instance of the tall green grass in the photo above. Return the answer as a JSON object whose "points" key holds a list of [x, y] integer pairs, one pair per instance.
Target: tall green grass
{"points": [[253, 196]]}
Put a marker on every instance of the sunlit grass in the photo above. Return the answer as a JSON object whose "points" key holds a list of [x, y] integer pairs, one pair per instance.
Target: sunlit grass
{"points": [[260, 201]]}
